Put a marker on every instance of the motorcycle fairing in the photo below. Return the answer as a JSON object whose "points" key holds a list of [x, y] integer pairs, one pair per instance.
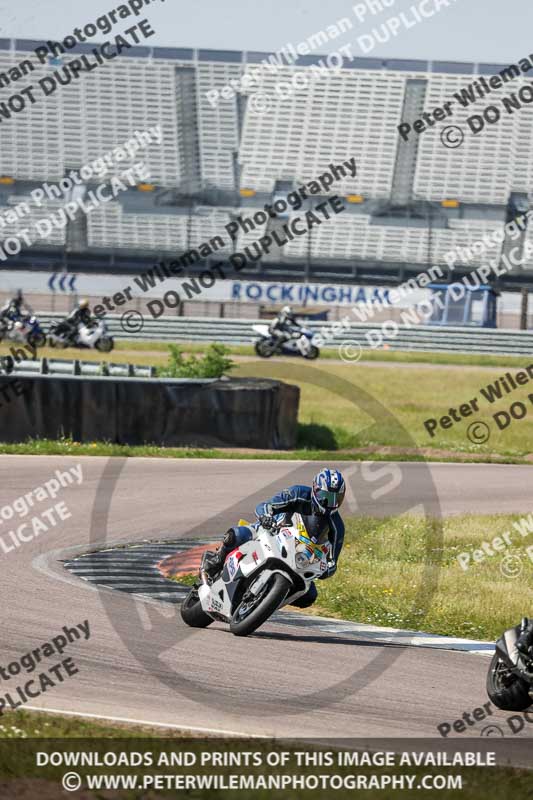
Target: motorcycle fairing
{"points": [[508, 652]]}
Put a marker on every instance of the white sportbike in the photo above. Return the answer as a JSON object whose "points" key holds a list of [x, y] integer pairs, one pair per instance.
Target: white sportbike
{"points": [[94, 337], [271, 570]]}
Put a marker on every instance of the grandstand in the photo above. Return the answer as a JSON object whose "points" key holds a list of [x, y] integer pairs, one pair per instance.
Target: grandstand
{"points": [[220, 159]]}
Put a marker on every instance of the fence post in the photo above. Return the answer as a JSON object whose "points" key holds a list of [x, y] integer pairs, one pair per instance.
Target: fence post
{"points": [[523, 308]]}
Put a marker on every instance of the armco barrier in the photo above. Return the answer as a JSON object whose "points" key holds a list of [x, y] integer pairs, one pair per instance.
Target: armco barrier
{"points": [[244, 412], [239, 331], [64, 366]]}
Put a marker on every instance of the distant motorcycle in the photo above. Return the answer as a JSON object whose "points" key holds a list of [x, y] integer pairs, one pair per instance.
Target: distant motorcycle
{"points": [[95, 337], [510, 676], [26, 330], [271, 570], [300, 343]]}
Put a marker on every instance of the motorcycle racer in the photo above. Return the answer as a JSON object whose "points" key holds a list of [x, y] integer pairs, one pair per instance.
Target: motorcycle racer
{"points": [[15, 309], [81, 315], [320, 505], [285, 325]]}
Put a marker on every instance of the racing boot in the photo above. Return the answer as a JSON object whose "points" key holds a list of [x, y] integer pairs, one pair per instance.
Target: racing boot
{"points": [[525, 640], [214, 562]]}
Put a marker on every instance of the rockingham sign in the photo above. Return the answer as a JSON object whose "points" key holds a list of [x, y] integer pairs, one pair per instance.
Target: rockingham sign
{"points": [[235, 291]]}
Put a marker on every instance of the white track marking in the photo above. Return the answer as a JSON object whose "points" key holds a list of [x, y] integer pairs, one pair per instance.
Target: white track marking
{"points": [[385, 635], [213, 731]]}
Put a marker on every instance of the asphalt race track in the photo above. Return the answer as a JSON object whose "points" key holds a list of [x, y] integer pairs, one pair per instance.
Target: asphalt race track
{"points": [[141, 663]]}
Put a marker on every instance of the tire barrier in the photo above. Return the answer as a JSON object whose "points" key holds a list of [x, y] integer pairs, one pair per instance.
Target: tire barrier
{"points": [[244, 412]]}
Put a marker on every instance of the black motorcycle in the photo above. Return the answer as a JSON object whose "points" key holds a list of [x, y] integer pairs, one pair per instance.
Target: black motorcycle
{"points": [[510, 676]]}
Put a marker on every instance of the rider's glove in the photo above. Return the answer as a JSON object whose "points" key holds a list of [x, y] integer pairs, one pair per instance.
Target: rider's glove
{"points": [[267, 521]]}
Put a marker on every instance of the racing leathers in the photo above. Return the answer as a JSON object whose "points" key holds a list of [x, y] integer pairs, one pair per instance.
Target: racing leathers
{"points": [[279, 509], [14, 309], [284, 326], [76, 318]]}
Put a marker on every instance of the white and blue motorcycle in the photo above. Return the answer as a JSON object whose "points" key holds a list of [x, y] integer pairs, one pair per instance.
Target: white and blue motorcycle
{"points": [[300, 343], [271, 570]]}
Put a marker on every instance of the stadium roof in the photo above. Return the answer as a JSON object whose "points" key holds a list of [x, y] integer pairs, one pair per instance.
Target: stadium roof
{"points": [[253, 57]]}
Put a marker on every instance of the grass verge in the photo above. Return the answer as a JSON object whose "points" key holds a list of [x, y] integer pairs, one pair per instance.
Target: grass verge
{"points": [[331, 420], [68, 447], [403, 572], [393, 356]]}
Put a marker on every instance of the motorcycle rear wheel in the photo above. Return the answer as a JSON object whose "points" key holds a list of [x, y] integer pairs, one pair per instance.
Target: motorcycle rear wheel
{"points": [[264, 348], [192, 612], [506, 690], [248, 616]]}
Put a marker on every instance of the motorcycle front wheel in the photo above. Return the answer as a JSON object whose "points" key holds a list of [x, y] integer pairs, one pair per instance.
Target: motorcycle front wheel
{"points": [[192, 612], [313, 353], [253, 610], [105, 344], [505, 689]]}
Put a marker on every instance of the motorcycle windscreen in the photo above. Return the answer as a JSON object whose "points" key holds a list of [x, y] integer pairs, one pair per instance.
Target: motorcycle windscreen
{"points": [[317, 527]]}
